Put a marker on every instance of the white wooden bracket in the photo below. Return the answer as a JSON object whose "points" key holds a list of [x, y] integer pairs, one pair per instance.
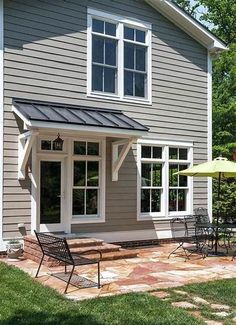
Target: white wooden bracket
{"points": [[25, 143], [118, 158]]}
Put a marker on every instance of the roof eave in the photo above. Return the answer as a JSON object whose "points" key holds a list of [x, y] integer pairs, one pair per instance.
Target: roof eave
{"points": [[189, 25]]}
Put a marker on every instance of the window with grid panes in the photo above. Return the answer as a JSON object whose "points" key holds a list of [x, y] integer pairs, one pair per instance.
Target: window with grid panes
{"points": [[178, 185], [86, 178], [119, 58], [151, 179]]}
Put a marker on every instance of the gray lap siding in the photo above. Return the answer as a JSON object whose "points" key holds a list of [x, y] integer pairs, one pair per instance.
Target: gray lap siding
{"points": [[45, 59]]}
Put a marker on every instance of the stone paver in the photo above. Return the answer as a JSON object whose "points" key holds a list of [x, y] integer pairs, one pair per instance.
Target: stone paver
{"points": [[200, 300], [160, 294], [184, 305], [212, 322], [151, 270], [222, 314], [180, 292], [220, 307]]}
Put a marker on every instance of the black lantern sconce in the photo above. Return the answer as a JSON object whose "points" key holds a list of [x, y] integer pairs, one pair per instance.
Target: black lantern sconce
{"points": [[58, 143]]}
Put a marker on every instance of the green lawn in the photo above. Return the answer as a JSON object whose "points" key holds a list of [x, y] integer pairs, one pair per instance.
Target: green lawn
{"points": [[23, 301]]}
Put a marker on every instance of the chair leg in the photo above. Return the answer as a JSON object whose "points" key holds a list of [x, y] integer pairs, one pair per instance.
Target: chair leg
{"points": [[99, 284], [65, 269], [180, 245], [39, 266], [69, 279]]}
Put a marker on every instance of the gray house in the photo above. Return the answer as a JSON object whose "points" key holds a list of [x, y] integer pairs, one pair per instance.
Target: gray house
{"points": [[101, 103]]}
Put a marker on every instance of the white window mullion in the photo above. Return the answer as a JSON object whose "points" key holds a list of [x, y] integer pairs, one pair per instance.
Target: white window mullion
{"points": [[120, 61]]}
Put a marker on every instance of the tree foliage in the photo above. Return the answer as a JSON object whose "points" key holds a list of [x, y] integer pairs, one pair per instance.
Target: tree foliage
{"points": [[221, 14]]}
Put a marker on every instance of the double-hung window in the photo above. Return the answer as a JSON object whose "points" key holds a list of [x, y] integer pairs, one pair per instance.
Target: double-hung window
{"points": [[119, 57], [88, 183], [162, 192]]}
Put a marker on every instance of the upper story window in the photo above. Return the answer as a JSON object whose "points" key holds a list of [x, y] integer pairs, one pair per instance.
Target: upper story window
{"points": [[119, 57]]}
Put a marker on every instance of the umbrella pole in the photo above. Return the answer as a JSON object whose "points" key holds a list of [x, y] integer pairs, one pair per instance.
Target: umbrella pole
{"points": [[217, 216]]}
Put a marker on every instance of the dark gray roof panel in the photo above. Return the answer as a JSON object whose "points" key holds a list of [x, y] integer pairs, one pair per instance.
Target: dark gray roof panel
{"points": [[80, 115]]}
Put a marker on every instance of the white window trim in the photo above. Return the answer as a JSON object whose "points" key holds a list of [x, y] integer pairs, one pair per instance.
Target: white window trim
{"points": [[93, 13], [102, 179], [164, 214]]}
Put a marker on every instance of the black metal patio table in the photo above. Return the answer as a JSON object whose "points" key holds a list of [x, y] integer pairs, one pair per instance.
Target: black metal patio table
{"points": [[219, 235]]}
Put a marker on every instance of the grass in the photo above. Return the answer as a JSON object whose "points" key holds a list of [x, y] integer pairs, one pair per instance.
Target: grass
{"points": [[23, 301], [26, 302], [215, 292]]}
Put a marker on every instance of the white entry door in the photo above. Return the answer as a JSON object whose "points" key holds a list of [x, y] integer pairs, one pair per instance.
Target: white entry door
{"points": [[52, 194]]}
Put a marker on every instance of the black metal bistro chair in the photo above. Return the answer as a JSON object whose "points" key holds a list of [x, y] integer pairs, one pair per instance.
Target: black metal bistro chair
{"points": [[58, 249], [189, 237]]}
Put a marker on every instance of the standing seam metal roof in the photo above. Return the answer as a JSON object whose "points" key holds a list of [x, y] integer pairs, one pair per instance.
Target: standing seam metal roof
{"points": [[79, 115]]}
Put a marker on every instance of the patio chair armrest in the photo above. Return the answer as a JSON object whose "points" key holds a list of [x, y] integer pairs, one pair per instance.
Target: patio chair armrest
{"points": [[96, 251]]}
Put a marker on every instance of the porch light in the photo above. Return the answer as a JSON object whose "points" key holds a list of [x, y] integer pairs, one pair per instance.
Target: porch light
{"points": [[58, 143]]}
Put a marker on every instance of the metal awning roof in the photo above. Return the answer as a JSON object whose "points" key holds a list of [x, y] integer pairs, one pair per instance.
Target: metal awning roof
{"points": [[46, 115]]}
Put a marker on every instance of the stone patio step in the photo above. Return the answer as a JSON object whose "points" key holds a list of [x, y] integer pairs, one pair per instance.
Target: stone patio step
{"points": [[118, 255], [105, 248], [84, 242], [110, 252]]}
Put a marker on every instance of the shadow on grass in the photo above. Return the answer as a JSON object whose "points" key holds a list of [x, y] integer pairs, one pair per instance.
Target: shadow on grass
{"points": [[23, 317]]}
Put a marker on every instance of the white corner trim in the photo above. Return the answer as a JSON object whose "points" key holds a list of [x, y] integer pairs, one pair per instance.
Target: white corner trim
{"points": [[209, 128], [1, 116]]}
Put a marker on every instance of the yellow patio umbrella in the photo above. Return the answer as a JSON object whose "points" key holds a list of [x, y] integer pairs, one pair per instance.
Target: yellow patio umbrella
{"points": [[218, 168]]}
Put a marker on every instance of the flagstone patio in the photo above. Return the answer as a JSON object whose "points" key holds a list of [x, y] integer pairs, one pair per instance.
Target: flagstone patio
{"points": [[151, 270]]}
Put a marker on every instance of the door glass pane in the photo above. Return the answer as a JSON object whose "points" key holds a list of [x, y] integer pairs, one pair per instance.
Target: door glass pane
{"points": [[145, 200], [172, 200], [129, 56], [139, 85], [79, 148], [157, 175], [128, 83], [110, 52], [93, 149], [140, 58], [97, 78], [91, 201], [46, 145], [98, 26], [156, 200], [78, 202], [50, 192], [146, 174], [110, 29], [173, 179], [109, 80], [79, 173], [98, 49], [92, 173]]}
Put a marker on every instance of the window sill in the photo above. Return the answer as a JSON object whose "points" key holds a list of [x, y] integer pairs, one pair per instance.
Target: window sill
{"points": [[85, 220], [120, 99], [162, 217]]}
